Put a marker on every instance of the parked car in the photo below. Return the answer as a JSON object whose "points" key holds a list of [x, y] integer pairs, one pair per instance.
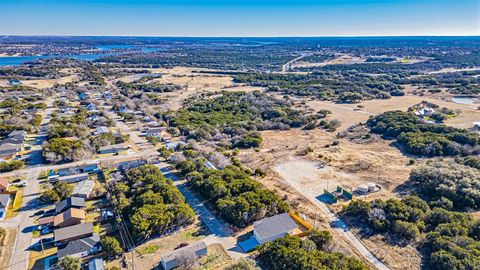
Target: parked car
{"points": [[18, 180], [46, 230], [184, 244], [21, 184], [39, 213]]}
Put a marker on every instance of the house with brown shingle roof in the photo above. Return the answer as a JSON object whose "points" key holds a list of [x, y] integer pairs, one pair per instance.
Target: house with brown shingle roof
{"points": [[4, 185], [69, 217]]}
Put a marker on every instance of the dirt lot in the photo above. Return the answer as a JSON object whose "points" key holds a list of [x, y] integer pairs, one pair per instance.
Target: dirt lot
{"points": [[148, 255], [47, 83], [347, 164], [396, 257], [6, 246]]}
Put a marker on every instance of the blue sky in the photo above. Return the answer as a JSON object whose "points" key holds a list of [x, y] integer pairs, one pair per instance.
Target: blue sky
{"points": [[240, 17]]}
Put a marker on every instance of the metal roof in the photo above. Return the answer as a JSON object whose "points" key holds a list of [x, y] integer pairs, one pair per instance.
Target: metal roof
{"points": [[274, 225]]}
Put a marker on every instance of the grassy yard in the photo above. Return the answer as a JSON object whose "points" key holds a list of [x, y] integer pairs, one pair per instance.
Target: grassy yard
{"points": [[92, 216], [16, 204], [216, 257], [150, 249], [36, 262]]}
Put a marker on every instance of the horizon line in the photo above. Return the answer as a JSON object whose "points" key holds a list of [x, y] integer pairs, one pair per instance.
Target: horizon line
{"points": [[213, 36]]}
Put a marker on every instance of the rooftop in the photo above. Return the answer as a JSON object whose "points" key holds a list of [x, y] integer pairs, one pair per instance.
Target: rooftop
{"points": [[84, 187], [4, 199], [68, 214], [78, 246], [70, 202], [73, 231], [274, 225], [195, 247]]}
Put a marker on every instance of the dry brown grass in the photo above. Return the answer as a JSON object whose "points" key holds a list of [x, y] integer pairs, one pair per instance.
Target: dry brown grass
{"points": [[6, 246], [347, 164], [349, 114]]}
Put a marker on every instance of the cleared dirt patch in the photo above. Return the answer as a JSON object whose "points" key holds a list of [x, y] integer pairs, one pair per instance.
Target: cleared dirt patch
{"points": [[6, 246]]}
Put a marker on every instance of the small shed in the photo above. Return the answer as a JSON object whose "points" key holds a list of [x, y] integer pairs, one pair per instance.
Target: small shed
{"points": [[171, 260]]}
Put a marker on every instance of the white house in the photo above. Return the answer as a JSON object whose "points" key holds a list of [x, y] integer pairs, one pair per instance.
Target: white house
{"points": [[271, 228], [171, 260], [101, 129], [4, 202]]}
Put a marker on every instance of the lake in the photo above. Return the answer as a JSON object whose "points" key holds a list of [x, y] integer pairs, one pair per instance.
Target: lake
{"points": [[18, 60], [465, 100]]}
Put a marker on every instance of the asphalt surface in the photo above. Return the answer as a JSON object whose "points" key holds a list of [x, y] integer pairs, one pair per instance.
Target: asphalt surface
{"points": [[220, 230]]}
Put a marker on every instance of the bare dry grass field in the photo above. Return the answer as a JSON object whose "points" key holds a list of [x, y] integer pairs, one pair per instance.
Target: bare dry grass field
{"points": [[6, 246], [350, 114], [347, 164], [148, 255], [46, 83]]}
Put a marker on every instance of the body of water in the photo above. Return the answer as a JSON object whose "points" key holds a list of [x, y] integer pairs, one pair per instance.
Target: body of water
{"points": [[465, 100], [18, 60]]}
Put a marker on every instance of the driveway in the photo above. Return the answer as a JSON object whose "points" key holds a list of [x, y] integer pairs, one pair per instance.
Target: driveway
{"points": [[220, 230]]}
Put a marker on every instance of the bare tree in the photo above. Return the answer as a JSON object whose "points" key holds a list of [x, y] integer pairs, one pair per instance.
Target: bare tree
{"points": [[186, 260]]}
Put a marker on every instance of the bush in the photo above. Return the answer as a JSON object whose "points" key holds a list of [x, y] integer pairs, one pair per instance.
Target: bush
{"points": [[11, 165], [111, 246], [290, 252]]}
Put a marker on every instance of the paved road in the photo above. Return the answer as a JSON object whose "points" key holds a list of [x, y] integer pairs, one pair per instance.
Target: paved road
{"points": [[221, 232], [286, 67], [25, 221]]}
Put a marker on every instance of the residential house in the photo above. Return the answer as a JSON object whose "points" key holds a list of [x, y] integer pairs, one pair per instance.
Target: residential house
{"points": [[83, 95], [69, 179], [175, 145], [12, 144], [89, 167], [83, 189], [172, 259], [113, 149], [72, 202], [81, 248], [96, 264], [69, 217], [153, 132], [4, 202], [91, 106], [67, 234], [101, 129], [4, 185], [271, 228], [13, 82], [125, 110], [125, 165], [9, 150]]}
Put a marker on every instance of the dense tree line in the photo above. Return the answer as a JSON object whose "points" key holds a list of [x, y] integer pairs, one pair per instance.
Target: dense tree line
{"points": [[234, 118], [454, 185], [459, 83], [346, 87], [151, 202], [12, 117], [127, 88], [8, 166], [213, 57], [422, 138], [291, 252], [239, 199], [449, 240]]}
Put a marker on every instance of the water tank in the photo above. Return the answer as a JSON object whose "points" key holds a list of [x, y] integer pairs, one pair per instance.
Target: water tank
{"points": [[371, 187], [363, 189]]}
